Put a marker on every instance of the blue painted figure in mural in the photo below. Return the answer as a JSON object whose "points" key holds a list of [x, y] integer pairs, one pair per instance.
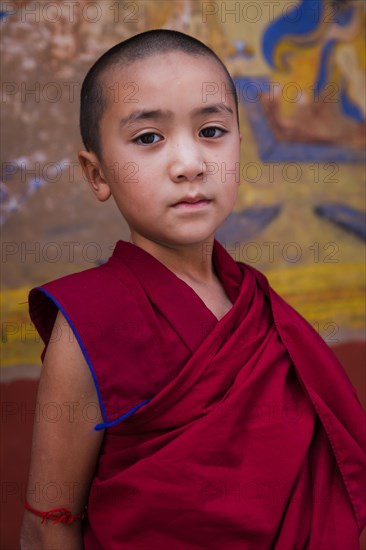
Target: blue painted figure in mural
{"points": [[312, 103]]}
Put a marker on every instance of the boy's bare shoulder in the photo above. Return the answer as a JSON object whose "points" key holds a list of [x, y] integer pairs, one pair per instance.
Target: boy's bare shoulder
{"points": [[65, 447]]}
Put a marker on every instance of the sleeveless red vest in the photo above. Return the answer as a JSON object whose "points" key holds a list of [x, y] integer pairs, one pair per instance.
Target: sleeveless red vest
{"points": [[252, 438]]}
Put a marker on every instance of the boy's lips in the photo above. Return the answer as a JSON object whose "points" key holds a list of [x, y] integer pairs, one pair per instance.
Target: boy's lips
{"points": [[192, 201]]}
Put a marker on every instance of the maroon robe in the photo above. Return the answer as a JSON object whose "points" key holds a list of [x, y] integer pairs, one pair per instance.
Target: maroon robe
{"points": [[242, 433]]}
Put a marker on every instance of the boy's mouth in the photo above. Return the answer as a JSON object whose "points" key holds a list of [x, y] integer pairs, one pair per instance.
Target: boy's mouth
{"points": [[192, 201]]}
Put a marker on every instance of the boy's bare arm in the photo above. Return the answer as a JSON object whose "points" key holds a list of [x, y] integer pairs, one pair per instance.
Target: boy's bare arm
{"points": [[65, 445]]}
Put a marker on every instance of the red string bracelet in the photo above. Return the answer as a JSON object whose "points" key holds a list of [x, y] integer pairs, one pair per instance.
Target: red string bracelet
{"points": [[58, 515]]}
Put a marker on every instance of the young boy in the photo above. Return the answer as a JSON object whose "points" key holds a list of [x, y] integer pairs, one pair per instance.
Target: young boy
{"points": [[222, 420]]}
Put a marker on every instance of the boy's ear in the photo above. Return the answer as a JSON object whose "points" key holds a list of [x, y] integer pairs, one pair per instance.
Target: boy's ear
{"points": [[93, 172]]}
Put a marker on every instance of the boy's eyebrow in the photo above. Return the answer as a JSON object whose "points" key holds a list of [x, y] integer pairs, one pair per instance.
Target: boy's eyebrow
{"points": [[144, 114], [215, 108]]}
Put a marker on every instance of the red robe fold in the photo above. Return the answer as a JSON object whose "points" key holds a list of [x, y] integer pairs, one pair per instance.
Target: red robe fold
{"points": [[255, 441]]}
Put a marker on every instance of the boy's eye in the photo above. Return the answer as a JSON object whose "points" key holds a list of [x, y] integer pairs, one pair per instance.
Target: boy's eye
{"points": [[147, 139], [213, 132]]}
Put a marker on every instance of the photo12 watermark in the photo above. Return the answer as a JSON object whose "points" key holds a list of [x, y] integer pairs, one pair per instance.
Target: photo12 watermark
{"points": [[270, 173], [252, 91], [252, 252], [252, 12], [68, 92], [73, 11]]}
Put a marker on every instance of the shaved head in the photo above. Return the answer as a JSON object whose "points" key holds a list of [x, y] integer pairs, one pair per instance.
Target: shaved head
{"points": [[94, 100]]}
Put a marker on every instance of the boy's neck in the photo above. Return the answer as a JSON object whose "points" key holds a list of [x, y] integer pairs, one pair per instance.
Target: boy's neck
{"points": [[186, 261]]}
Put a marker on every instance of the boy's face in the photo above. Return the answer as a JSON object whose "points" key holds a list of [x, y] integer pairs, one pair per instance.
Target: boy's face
{"points": [[163, 149]]}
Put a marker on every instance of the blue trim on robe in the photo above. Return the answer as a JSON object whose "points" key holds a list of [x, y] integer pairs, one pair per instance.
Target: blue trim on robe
{"points": [[105, 424], [120, 418]]}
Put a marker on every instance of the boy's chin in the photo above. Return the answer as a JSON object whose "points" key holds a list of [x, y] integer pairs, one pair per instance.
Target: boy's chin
{"points": [[185, 240]]}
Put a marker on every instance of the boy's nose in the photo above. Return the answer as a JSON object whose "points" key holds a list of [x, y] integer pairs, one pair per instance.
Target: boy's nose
{"points": [[186, 163]]}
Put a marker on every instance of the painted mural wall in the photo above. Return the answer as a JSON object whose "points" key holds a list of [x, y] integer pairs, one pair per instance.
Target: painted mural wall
{"points": [[299, 73]]}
